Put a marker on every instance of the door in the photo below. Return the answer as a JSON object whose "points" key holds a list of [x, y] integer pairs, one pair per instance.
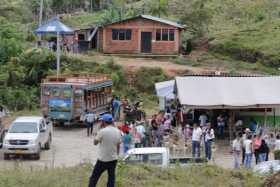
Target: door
{"points": [[146, 42]]}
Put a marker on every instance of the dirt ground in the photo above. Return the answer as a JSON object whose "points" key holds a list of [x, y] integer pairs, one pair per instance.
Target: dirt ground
{"points": [[71, 146]]}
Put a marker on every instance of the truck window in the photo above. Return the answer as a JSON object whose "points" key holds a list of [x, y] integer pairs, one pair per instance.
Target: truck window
{"points": [[67, 93], [55, 92], [155, 158]]}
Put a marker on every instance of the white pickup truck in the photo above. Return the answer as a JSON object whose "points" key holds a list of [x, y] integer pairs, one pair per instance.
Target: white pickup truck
{"points": [[27, 136], [158, 156]]}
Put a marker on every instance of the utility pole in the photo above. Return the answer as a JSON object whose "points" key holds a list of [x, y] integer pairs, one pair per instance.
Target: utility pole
{"points": [[41, 15]]}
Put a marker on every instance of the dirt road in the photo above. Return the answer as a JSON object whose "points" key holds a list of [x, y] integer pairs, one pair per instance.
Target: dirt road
{"points": [[69, 148]]}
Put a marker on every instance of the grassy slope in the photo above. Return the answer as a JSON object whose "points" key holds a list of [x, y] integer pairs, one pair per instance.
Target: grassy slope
{"points": [[136, 176], [241, 26]]}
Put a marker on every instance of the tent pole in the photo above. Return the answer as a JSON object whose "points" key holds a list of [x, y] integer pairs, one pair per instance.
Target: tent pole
{"points": [[57, 55]]}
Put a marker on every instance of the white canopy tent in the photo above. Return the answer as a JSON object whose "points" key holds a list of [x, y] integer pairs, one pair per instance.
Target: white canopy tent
{"points": [[165, 89], [228, 92]]}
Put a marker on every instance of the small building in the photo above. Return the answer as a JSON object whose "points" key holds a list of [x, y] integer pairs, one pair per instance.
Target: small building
{"points": [[141, 35]]}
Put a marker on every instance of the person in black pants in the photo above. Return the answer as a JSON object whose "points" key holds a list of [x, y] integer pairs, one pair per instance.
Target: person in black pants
{"points": [[109, 139], [99, 168]]}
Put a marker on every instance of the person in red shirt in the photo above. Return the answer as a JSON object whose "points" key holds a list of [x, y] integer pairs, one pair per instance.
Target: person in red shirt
{"points": [[125, 127]]}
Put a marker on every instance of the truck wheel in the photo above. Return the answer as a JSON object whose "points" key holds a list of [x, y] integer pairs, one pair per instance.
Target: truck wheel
{"points": [[37, 155], [6, 156]]}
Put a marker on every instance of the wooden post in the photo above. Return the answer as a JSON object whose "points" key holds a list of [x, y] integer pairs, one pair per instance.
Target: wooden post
{"points": [[274, 118], [231, 124], [265, 117]]}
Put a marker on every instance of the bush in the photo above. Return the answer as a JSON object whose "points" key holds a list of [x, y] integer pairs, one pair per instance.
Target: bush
{"points": [[147, 77], [277, 155]]}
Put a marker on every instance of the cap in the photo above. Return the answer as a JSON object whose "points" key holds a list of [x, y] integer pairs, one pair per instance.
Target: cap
{"points": [[107, 118]]}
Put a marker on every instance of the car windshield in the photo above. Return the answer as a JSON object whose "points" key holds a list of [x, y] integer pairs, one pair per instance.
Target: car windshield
{"points": [[23, 127], [155, 158]]}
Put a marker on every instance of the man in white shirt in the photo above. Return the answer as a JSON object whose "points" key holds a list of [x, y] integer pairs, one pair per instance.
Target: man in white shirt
{"points": [[142, 131], [203, 119], [109, 139], [236, 149], [196, 139], [89, 120]]}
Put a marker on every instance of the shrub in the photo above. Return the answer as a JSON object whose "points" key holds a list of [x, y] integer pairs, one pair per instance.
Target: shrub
{"points": [[147, 77], [277, 155]]}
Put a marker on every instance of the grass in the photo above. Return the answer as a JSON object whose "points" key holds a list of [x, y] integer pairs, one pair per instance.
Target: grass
{"points": [[184, 61], [136, 176], [83, 20]]}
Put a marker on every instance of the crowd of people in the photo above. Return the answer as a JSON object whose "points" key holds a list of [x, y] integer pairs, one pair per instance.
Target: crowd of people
{"points": [[249, 144]]}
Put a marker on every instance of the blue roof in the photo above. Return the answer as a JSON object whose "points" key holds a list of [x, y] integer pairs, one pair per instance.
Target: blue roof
{"points": [[54, 26], [157, 19]]}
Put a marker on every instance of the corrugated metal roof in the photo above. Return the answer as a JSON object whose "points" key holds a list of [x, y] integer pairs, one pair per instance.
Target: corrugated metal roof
{"points": [[165, 21], [157, 19]]}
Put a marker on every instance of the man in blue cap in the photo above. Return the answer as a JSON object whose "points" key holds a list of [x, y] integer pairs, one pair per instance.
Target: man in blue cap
{"points": [[109, 139]]}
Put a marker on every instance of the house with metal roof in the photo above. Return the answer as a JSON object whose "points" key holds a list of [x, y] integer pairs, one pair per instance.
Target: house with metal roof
{"points": [[142, 34]]}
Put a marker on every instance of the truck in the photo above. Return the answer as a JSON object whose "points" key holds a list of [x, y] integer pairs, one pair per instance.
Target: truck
{"points": [[28, 135], [64, 99], [158, 156]]}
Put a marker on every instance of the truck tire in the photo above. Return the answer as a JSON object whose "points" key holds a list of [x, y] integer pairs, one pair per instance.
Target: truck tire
{"points": [[38, 155], [6, 156], [48, 143]]}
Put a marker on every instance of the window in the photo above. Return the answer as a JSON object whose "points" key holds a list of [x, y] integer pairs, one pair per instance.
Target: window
{"points": [[171, 35], [81, 37], [121, 34], [67, 93], [55, 92], [165, 34], [153, 158], [115, 34], [158, 34]]}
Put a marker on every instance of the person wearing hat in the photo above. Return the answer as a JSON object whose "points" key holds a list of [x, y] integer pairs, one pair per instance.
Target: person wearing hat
{"points": [[108, 139]]}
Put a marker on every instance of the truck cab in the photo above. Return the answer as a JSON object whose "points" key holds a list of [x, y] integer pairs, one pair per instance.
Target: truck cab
{"points": [[158, 156], [27, 136]]}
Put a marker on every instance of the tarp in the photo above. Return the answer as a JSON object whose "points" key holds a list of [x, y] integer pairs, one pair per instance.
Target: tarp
{"points": [[228, 92], [54, 26], [165, 89]]}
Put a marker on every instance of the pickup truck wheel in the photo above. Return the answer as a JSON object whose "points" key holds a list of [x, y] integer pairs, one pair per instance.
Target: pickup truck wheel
{"points": [[37, 155], [6, 156]]}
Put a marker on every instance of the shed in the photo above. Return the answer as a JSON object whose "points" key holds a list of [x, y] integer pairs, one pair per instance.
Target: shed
{"points": [[142, 34]]}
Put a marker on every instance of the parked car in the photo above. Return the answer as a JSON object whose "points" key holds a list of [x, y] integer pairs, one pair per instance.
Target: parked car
{"points": [[27, 136], [158, 156]]}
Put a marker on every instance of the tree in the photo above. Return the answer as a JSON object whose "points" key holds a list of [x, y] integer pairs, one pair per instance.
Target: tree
{"points": [[197, 17], [158, 7], [10, 40]]}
